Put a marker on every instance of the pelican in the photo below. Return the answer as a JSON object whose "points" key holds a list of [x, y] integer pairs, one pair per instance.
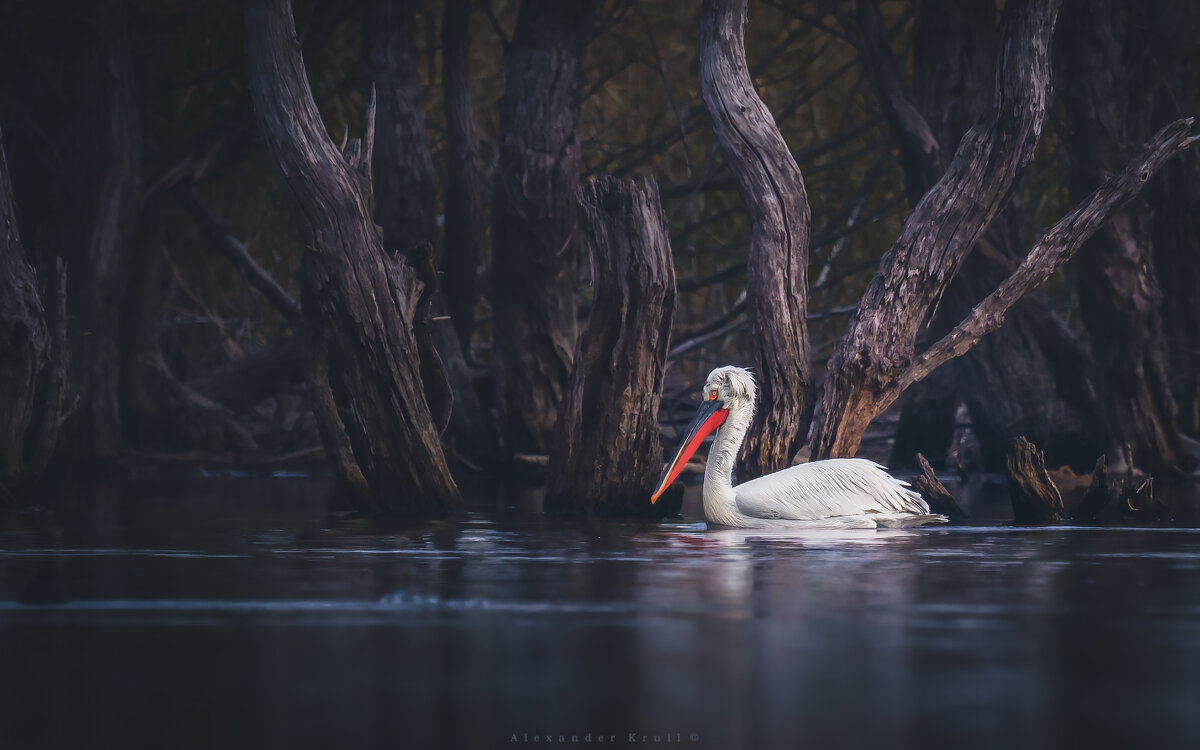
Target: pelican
{"points": [[842, 493]]}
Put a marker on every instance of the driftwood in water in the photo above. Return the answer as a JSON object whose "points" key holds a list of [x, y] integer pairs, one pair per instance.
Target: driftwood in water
{"points": [[606, 454], [358, 315], [935, 493], [33, 354], [1035, 499], [772, 187], [1130, 497]]}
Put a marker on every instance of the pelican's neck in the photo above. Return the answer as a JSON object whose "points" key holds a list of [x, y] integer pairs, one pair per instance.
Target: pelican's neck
{"points": [[719, 505]]}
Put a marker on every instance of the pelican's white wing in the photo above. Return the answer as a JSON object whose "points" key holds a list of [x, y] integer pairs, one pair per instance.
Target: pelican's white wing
{"points": [[829, 489]]}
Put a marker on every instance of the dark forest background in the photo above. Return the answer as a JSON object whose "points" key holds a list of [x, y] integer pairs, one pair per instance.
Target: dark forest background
{"points": [[173, 283]]}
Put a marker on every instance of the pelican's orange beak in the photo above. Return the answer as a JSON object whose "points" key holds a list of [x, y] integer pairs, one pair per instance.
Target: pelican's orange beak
{"points": [[709, 417]]}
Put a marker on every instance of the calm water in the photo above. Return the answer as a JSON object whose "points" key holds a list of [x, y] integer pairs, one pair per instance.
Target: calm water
{"points": [[194, 612]]}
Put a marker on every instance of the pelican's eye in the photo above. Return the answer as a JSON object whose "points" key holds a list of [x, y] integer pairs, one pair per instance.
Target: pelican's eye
{"points": [[712, 395]]}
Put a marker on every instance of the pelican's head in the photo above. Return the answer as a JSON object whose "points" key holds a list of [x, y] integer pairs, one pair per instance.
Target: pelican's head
{"points": [[726, 389], [732, 385]]}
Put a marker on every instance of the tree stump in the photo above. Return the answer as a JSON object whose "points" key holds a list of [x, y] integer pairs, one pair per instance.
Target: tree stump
{"points": [[607, 454], [1035, 499], [935, 493]]}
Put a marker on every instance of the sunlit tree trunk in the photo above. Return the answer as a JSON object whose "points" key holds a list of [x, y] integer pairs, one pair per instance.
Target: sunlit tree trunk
{"points": [[535, 266]]}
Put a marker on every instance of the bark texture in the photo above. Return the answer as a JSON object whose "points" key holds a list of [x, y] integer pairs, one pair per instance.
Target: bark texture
{"points": [[1034, 497], [1031, 377], [772, 188], [935, 493], [534, 258], [1110, 94], [357, 309], [938, 234], [1056, 247], [464, 186], [607, 453]]}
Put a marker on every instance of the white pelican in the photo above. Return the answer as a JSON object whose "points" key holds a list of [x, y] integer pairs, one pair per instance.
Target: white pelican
{"points": [[835, 493]]}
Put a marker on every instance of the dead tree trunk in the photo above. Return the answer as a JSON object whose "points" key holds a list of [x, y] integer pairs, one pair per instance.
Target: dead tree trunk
{"points": [[938, 234], [1109, 92], [358, 317], [405, 207], [534, 258], [1031, 377], [1034, 497], [876, 360], [607, 453], [32, 354], [772, 188], [464, 187]]}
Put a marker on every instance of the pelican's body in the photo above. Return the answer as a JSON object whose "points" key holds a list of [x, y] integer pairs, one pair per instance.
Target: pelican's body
{"points": [[836, 493]]}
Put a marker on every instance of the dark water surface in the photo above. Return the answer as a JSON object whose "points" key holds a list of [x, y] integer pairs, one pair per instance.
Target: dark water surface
{"points": [[193, 612]]}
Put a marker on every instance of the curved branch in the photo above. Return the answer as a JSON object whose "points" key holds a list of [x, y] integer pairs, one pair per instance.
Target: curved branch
{"points": [[1055, 248]]}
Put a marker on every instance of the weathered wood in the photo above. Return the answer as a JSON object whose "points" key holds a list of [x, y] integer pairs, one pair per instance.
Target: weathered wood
{"points": [[772, 188], [534, 258], [935, 493], [1055, 247], [1031, 377], [402, 169], [358, 324], [1035, 499], [1109, 89], [606, 454], [464, 185], [940, 231]]}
